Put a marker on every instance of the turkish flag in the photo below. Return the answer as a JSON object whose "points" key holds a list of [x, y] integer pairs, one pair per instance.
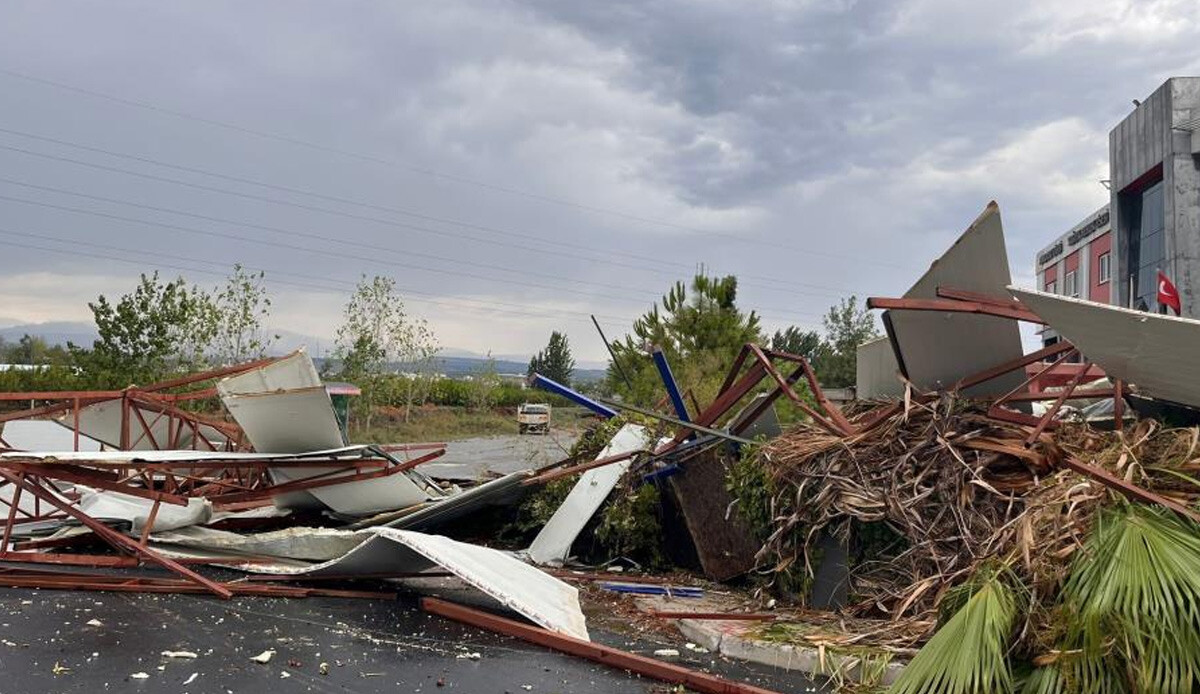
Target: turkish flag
{"points": [[1167, 294]]}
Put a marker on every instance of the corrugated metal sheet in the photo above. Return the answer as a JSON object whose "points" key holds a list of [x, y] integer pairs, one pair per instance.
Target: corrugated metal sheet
{"points": [[1156, 353], [938, 349], [515, 585]]}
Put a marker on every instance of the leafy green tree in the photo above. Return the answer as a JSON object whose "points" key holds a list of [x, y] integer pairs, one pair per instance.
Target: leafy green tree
{"points": [[793, 340], [157, 330], [376, 331], [484, 384], [555, 362], [700, 330], [240, 308], [847, 325]]}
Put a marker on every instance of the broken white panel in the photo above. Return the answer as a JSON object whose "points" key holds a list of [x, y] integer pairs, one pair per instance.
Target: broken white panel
{"points": [[102, 421], [288, 421], [877, 370], [1157, 353], [553, 544], [114, 507], [43, 435], [541, 598], [356, 498], [284, 408], [296, 370], [938, 349]]}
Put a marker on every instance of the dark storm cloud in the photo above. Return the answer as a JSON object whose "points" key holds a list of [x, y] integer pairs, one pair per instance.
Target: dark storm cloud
{"points": [[814, 148]]}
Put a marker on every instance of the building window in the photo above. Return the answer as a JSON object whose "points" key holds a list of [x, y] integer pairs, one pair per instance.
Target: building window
{"points": [[1145, 245], [1052, 287], [1104, 268], [1070, 286]]}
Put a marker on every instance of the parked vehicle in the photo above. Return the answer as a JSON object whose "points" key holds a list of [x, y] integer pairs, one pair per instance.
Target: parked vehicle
{"points": [[533, 418]]}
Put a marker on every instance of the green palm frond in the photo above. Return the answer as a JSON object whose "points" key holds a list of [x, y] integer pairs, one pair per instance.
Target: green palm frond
{"points": [[1134, 594], [967, 655]]}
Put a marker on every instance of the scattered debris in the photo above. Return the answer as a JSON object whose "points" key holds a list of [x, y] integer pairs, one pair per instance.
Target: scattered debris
{"points": [[264, 657], [179, 654]]}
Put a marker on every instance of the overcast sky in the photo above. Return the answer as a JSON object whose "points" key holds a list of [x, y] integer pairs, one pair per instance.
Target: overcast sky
{"points": [[516, 166]]}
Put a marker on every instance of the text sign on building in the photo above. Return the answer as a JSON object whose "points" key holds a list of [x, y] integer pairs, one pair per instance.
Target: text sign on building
{"points": [[1084, 231], [1051, 253]]}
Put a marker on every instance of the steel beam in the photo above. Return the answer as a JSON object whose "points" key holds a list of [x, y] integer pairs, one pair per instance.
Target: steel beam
{"points": [[607, 655]]}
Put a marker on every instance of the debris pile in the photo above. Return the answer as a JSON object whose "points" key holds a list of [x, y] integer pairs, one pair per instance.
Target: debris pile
{"points": [[964, 498]]}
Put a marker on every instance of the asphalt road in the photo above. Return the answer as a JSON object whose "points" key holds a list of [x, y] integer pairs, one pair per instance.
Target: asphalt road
{"points": [[48, 645], [468, 459]]}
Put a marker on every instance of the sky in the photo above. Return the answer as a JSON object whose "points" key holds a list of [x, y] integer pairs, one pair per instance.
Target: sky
{"points": [[518, 166]]}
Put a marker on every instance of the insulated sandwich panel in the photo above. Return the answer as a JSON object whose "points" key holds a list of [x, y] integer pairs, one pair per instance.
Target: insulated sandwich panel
{"points": [[1156, 353], [938, 349], [553, 544]]}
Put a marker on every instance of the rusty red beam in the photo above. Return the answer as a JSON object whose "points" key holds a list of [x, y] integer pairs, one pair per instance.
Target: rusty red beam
{"points": [[420, 460], [723, 402], [751, 416], [828, 422], [324, 479], [827, 405], [953, 306], [76, 475], [552, 475], [607, 655], [981, 298], [1014, 364], [114, 538], [1128, 489], [1058, 403]]}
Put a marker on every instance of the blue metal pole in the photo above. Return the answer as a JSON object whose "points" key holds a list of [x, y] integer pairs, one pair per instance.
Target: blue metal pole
{"points": [[578, 398], [664, 370]]}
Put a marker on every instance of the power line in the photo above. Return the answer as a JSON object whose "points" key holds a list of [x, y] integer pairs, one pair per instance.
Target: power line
{"points": [[324, 210], [485, 305], [418, 215], [305, 249], [425, 171]]}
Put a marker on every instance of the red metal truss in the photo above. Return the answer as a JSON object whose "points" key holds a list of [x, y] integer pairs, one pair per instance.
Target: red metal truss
{"points": [[955, 306]]}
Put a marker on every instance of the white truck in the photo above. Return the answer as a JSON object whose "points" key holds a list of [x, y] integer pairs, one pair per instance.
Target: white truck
{"points": [[533, 418]]}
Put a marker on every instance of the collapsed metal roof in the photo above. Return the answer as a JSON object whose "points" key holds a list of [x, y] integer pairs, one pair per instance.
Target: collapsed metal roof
{"points": [[1156, 353]]}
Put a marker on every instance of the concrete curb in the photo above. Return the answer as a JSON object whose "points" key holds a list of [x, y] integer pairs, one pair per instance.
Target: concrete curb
{"points": [[730, 640]]}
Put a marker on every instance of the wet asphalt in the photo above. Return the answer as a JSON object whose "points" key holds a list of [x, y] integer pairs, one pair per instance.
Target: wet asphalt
{"points": [[65, 641], [471, 459]]}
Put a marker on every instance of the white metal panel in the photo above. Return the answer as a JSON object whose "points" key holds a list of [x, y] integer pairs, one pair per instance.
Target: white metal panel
{"points": [[296, 370], [940, 348], [541, 598], [102, 421], [1157, 353], [553, 544], [43, 435], [288, 421]]}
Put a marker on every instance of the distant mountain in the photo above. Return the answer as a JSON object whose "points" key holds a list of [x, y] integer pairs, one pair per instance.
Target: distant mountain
{"points": [[54, 333]]}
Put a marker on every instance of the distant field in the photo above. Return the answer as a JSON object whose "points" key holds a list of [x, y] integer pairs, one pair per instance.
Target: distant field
{"points": [[432, 423]]}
